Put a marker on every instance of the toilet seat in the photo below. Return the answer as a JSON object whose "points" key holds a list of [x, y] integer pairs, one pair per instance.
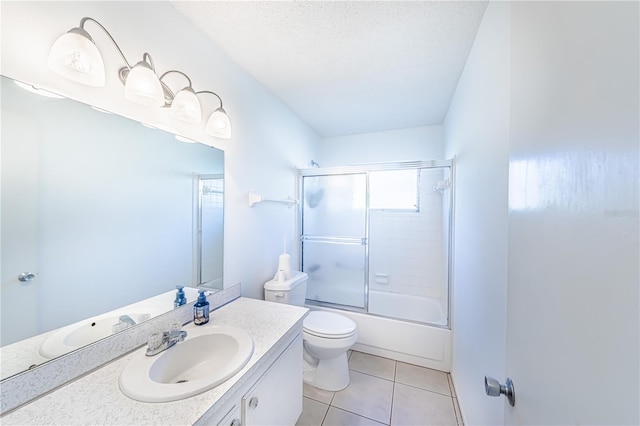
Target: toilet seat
{"points": [[328, 336], [328, 325]]}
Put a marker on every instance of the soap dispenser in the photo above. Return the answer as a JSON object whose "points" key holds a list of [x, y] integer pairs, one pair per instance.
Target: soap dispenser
{"points": [[201, 309], [180, 297]]}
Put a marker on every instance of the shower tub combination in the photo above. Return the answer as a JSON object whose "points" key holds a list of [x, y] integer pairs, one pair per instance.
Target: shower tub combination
{"points": [[410, 342], [413, 308], [375, 244]]}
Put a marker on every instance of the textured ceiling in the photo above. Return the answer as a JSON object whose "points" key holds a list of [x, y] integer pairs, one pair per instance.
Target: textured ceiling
{"points": [[348, 67]]}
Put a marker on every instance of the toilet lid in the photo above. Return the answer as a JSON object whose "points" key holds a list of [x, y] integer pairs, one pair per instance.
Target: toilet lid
{"points": [[328, 324]]}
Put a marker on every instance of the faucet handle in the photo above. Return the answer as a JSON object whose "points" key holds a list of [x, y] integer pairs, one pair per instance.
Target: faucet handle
{"points": [[177, 336], [155, 340]]}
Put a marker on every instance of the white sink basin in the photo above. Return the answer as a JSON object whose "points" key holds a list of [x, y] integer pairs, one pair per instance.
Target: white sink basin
{"points": [[208, 357], [82, 333]]}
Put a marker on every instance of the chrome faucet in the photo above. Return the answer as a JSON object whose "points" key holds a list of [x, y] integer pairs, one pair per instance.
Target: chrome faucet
{"points": [[127, 320], [161, 342]]}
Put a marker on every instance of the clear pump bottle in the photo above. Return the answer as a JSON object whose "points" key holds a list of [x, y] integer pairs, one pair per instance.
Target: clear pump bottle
{"points": [[201, 309], [181, 299]]}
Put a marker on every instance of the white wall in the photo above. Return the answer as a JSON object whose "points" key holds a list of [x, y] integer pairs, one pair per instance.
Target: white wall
{"points": [[477, 133], [268, 139], [410, 144]]}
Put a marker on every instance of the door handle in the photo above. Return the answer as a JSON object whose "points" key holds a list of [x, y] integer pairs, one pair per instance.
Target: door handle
{"points": [[25, 277], [492, 387]]}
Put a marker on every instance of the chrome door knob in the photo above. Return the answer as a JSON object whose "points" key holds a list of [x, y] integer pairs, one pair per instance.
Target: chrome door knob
{"points": [[253, 402], [492, 387], [25, 277]]}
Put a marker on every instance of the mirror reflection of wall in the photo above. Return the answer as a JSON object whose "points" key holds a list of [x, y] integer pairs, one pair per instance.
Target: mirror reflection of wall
{"points": [[98, 207]]}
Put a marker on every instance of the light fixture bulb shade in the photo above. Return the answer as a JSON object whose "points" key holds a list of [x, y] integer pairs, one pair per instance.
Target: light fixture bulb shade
{"points": [[218, 124], [75, 56], [143, 86], [186, 106]]}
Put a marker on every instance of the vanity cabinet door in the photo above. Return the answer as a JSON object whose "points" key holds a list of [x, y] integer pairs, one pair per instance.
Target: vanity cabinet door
{"points": [[232, 418], [276, 399]]}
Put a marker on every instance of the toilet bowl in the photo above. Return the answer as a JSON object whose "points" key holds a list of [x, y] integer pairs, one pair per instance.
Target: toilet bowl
{"points": [[326, 335], [326, 339]]}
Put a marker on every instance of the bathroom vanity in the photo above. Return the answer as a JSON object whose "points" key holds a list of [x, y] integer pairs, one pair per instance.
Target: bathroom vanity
{"points": [[267, 390]]}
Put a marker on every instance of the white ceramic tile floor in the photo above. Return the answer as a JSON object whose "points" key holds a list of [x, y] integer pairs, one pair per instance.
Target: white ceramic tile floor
{"points": [[384, 392]]}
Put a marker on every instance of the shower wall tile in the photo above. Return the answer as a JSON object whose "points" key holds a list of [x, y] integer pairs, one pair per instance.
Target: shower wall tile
{"points": [[408, 246]]}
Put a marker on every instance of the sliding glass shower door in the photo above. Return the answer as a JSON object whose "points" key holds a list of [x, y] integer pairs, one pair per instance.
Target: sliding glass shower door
{"points": [[334, 238], [376, 238]]}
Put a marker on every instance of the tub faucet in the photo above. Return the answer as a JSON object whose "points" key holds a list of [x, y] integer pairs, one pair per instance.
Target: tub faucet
{"points": [[127, 320], [161, 342]]}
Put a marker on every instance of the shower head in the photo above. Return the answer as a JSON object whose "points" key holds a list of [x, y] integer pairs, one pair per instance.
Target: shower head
{"points": [[314, 164], [313, 199], [311, 269]]}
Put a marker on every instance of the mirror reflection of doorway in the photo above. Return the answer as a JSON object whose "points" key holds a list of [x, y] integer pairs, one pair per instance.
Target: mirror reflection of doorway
{"points": [[209, 228]]}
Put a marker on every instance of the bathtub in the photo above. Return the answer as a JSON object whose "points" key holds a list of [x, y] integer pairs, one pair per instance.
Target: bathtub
{"points": [[410, 342], [408, 307]]}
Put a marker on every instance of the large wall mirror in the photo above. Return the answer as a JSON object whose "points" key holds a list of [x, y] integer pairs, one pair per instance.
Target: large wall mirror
{"points": [[98, 212]]}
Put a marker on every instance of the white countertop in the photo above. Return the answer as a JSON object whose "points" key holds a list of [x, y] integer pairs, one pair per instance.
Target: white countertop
{"points": [[97, 399]]}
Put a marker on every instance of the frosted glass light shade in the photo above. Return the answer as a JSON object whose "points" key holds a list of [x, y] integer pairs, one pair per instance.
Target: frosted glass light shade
{"points": [[75, 56], [143, 86], [218, 124], [186, 106]]}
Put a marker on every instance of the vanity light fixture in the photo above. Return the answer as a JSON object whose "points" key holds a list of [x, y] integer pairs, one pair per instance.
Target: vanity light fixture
{"points": [[218, 124], [185, 105], [75, 56], [142, 85]]}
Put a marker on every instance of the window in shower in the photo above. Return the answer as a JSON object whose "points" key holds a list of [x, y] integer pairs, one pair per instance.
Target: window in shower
{"points": [[376, 239], [394, 190]]}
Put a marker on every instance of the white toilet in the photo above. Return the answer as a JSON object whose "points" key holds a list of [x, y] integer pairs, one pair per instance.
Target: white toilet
{"points": [[327, 336]]}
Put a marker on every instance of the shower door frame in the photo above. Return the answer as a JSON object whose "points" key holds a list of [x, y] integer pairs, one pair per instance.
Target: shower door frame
{"points": [[198, 193], [366, 168]]}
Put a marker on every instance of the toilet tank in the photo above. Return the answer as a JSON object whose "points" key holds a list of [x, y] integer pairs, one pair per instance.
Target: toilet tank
{"points": [[292, 291]]}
